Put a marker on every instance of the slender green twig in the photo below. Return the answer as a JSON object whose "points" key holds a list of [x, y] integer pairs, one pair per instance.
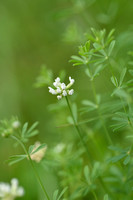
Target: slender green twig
{"points": [[94, 194], [31, 162], [77, 128], [100, 116]]}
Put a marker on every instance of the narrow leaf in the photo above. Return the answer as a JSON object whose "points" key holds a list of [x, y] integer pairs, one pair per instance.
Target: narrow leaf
{"points": [[15, 159], [126, 161], [32, 127], [111, 46], [39, 148], [114, 81], [55, 195], [24, 129], [61, 194], [122, 75]]}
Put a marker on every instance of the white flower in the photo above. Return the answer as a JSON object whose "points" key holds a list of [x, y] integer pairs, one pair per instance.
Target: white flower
{"points": [[59, 97], [58, 90], [16, 124], [71, 92], [52, 91], [10, 192], [59, 148], [64, 93], [61, 88], [38, 156]]}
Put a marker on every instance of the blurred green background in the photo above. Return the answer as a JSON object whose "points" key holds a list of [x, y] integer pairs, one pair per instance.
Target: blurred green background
{"points": [[37, 32]]}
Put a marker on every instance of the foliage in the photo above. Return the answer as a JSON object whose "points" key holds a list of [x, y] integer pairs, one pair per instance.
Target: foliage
{"points": [[89, 134]]}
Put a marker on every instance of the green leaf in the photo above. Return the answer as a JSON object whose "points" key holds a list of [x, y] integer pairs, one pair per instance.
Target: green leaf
{"points": [[98, 69], [15, 159], [32, 127], [26, 133], [55, 195], [87, 173], [61, 194], [114, 81], [31, 147], [70, 120], [89, 103], [126, 161], [122, 75], [39, 148], [76, 58], [87, 71], [95, 171], [111, 46], [87, 45], [131, 72], [117, 158], [106, 197], [33, 133], [97, 46], [24, 129]]}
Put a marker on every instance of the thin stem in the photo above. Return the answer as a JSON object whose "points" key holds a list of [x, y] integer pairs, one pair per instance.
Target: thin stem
{"points": [[84, 144], [31, 162], [100, 116], [94, 194], [77, 128]]}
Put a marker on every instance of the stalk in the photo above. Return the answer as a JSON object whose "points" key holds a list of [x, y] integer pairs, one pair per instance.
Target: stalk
{"points": [[100, 116], [33, 167], [84, 144], [77, 128]]}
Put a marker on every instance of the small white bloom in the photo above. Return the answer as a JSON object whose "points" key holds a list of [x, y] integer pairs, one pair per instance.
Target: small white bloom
{"points": [[71, 92], [71, 80], [59, 97], [64, 93], [57, 79], [52, 91], [16, 124], [62, 88], [58, 90]]}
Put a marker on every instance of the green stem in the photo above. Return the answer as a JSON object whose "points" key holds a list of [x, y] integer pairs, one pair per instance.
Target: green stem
{"points": [[100, 116], [31, 162], [94, 194], [84, 144], [77, 128]]}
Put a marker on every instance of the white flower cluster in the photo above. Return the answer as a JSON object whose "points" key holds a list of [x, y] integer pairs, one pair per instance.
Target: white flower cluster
{"points": [[61, 88], [10, 192]]}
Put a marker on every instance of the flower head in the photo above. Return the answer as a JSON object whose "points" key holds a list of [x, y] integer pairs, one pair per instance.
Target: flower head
{"points": [[11, 191], [61, 89]]}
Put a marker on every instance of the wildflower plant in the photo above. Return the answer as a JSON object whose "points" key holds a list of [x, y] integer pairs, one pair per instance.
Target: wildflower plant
{"points": [[92, 164], [21, 134], [107, 114]]}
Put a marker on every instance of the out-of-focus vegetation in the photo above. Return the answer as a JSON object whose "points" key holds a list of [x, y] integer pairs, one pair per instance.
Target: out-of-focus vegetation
{"points": [[37, 33]]}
